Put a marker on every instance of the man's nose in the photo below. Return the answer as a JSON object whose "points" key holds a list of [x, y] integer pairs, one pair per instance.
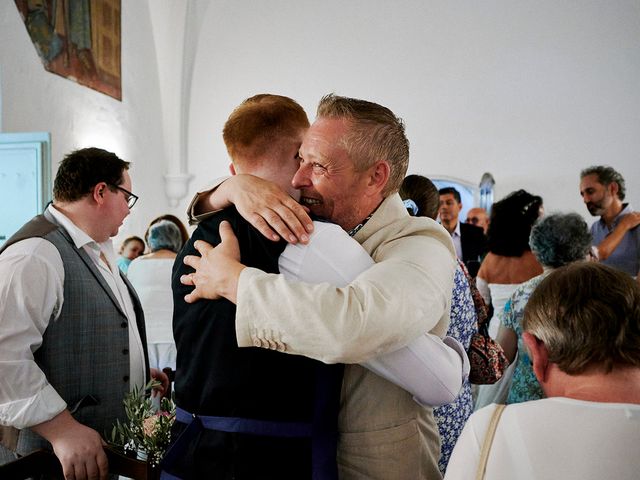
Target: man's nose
{"points": [[301, 178]]}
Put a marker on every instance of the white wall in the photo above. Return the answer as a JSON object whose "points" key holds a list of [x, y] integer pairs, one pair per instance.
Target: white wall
{"points": [[530, 91], [36, 100]]}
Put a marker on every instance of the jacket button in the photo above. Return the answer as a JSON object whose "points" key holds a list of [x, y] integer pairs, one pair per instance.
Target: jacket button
{"points": [[125, 351], [125, 378], [123, 324]]}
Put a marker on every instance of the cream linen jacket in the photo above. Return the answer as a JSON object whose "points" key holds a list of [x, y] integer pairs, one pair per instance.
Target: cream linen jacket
{"points": [[384, 433]]}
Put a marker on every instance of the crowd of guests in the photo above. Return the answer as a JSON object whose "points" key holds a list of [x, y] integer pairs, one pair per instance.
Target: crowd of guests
{"points": [[340, 352]]}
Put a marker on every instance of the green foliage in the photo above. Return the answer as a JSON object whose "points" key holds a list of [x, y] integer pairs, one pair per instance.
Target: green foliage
{"points": [[147, 430]]}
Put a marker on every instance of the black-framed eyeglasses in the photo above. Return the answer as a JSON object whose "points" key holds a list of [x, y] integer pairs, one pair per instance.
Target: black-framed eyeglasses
{"points": [[131, 198]]}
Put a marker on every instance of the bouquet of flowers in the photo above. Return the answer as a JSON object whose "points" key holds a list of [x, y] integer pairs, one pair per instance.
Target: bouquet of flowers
{"points": [[147, 431]]}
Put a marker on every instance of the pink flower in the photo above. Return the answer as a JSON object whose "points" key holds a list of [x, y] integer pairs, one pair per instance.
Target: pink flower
{"points": [[149, 425]]}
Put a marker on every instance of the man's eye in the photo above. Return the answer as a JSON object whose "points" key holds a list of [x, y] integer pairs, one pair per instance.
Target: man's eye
{"points": [[318, 167]]}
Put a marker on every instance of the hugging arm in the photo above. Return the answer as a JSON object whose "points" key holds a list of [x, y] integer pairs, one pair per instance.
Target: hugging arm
{"points": [[263, 204], [431, 369], [611, 241]]}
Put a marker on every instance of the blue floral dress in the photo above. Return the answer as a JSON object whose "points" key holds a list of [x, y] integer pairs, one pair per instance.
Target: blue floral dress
{"points": [[452, 417], [524, 385]]}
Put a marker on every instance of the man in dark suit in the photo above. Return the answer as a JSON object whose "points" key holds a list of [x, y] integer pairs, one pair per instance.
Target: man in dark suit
{"points": [[469, 240], [249, 413]]}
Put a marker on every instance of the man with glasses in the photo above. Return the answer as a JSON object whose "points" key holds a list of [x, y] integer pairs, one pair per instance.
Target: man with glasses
{"points": [[72, 339], [128, 196], [478, 216]]}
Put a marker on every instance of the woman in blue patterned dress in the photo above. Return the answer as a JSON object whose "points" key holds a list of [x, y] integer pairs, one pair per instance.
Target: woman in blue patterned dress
{"points": [[422, 199], [555, 240], [452, 417]]}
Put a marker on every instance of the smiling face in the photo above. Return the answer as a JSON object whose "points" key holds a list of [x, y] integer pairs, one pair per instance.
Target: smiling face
{"points": [[597, 197], [328, 181]]}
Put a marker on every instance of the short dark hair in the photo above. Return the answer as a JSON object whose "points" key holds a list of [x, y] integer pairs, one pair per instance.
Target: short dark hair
{"points": [[258, 122], [560, 239], [83, 169], [588, 316], [423, 192], [511, 222], [376, 133], [451, 190], [606, 176]]}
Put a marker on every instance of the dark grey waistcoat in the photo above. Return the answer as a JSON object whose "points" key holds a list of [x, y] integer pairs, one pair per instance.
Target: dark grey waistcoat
{"points": [[85, 352]]}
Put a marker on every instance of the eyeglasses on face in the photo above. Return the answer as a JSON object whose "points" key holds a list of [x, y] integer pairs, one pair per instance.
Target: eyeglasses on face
{"points": [[131, 198]]}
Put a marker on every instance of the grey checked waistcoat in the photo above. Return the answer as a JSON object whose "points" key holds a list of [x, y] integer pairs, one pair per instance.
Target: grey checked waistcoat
{"points": [[86, 350]]}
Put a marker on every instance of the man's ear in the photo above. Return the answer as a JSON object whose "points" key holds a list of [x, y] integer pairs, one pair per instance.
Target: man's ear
{"points": [[379, 176], [539, 356], [614, 188], [232, 169], [98, 192]]}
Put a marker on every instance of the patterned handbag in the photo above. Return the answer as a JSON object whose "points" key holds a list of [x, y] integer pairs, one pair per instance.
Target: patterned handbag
{"points": [[487, 359]]}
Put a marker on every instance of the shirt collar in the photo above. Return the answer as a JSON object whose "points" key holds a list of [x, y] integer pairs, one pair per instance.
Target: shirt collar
{"points": [[456, 231], [357, 228], [79, 237]]}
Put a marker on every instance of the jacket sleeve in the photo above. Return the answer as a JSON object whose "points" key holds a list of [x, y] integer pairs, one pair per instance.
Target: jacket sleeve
{"points": [[405, 294]]}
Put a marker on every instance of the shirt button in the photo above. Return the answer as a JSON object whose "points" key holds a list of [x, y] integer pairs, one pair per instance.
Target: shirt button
{"points": [[123, 324], [125, 351], [125, 378]]}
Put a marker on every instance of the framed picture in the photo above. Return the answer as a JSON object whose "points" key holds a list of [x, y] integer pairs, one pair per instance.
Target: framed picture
{"points": [[77, 39]]}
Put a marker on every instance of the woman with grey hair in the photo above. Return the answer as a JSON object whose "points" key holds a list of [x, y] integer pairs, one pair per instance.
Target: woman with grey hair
{"points": [[556, 240], [582, 328], [150, 275]]}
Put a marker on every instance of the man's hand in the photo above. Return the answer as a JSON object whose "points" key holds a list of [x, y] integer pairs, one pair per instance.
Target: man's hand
{"points": [[268, 208], [160, 376], [217, 269], [78, 447], [611, 241]]}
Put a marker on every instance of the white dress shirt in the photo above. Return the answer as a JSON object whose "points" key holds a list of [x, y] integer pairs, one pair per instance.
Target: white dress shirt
{"points": [[31, 295], [457, 240], [431, 369]]}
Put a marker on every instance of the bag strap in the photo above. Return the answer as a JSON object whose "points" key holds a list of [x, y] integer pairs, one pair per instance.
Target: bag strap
{"points": [[488, 440]]}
